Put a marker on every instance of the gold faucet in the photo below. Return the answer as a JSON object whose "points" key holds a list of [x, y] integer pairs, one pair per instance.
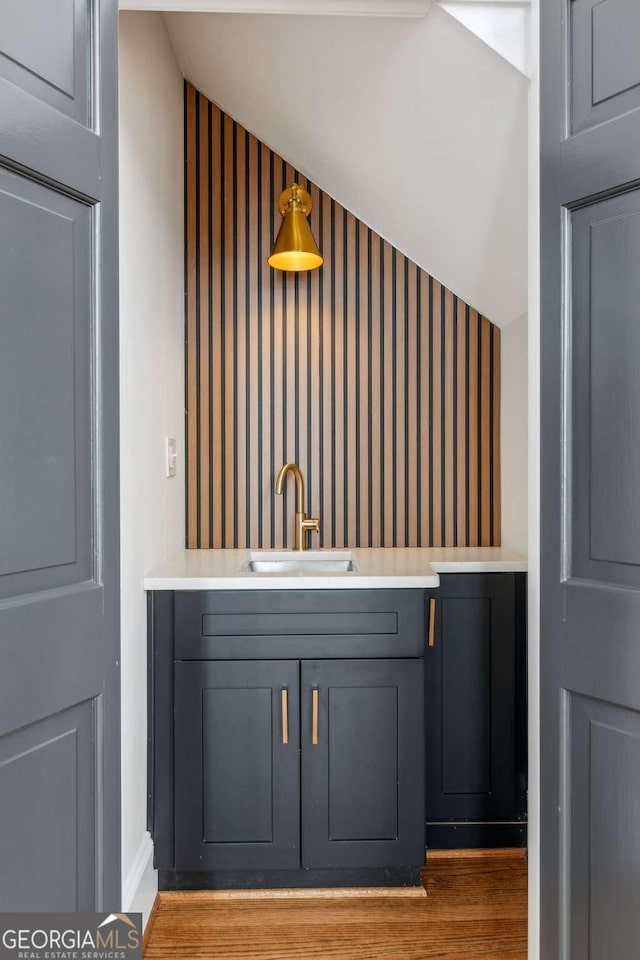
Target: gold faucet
{"points": [[304, 524]]}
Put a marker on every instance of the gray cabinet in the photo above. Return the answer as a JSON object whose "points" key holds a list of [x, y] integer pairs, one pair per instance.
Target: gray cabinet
{"points": [[262, 784], [362, 778], [237, 765], [300, 737], [281, 754], [475, 713]]}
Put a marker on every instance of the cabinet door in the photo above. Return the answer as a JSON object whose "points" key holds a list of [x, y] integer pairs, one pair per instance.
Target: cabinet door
{"points": [[362, 763], [237, 742], [469, 700]]}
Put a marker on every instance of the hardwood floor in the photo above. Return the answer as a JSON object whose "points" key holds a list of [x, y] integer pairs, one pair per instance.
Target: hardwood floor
{"points": [[475, 907]]}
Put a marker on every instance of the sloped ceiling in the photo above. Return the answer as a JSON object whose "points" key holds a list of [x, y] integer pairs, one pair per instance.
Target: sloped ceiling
{"points": [[414, 125]]}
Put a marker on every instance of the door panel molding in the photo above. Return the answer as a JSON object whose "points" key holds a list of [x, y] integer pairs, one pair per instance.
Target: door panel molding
{"points": [[48, 51], [45, 373], [47, 158], [604, 68], [37, 678], [600, 346], [51, 764], [599, 828]]}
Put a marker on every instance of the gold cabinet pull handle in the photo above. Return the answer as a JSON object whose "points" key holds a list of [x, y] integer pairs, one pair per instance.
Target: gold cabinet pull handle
{"points": [[285, 715], [314, 717], [432, 622]]}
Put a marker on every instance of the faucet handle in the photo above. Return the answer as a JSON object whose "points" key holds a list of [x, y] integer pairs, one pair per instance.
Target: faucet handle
{"points": [[311, 524]]}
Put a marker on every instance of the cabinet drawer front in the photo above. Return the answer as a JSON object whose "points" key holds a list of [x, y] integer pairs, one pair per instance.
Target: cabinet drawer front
{"points": [[212, 625], [298, 624], [237, 765]]}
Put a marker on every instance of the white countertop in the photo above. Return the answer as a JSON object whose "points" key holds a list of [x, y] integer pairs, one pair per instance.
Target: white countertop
{"points": [[388, 567], [475, 560]]}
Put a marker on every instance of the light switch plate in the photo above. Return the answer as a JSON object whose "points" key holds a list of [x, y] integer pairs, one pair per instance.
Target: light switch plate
{"points": [[171, 458]]}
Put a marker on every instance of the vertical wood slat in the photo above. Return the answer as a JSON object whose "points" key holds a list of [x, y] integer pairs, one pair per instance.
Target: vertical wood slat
{"points": [[436, 416], [303, 375], [227, 467], [388, 381], [363, 386], [496, 529], [290, 401], [449, 435], [485, 433], [191, 320], [400, 376], [412, 445], [377, 395], [277, 374], [314, 464], [217, 266], [461, 419], [244, 508], [352, 383], [337, 479], [253, 425], [388, 397], [301, 388], [264, 293], [424, 358], [472, 462], [204, 257], [327, 535]]}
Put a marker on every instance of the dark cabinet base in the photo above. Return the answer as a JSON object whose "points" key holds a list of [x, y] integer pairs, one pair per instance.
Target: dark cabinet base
{"points": [[281, 879], [287, 734], [303, 771], [475, 836]]}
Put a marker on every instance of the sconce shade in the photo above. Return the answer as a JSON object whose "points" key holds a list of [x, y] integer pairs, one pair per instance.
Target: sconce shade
{"points": [[295, 248]]}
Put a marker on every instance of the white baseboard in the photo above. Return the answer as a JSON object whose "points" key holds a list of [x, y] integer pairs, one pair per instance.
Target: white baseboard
{"points": [[141, 883]]}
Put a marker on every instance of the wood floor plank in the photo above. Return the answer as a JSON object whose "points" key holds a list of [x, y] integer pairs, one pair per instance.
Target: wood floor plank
{"points": [[293, 893], [475, 908]]}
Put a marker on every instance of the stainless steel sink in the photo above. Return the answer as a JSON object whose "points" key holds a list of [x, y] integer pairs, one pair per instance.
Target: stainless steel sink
{"points": [[304, 561]]}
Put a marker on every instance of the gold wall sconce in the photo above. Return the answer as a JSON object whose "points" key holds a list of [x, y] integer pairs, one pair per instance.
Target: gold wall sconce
{"points": [[295, 248]]}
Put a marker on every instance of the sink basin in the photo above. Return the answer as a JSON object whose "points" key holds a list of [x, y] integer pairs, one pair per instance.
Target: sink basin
{"points": [[305, 561]]}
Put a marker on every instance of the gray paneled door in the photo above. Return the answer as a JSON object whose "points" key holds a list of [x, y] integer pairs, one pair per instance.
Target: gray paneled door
{"points": [[59, 619], [590, 126]]}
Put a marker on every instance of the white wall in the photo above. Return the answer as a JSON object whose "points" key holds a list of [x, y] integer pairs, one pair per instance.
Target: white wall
{"points": [[513, 434], [415, 125], [504, 26], [151, 385]]}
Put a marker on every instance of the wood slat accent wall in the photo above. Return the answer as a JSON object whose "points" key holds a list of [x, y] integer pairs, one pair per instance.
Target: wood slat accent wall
{"points": [[380, 383]]}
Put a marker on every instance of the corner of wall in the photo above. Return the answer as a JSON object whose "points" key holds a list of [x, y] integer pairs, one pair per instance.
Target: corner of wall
{"points": [[141, 884], [151, 386], [513, 435], [533, 579]]}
